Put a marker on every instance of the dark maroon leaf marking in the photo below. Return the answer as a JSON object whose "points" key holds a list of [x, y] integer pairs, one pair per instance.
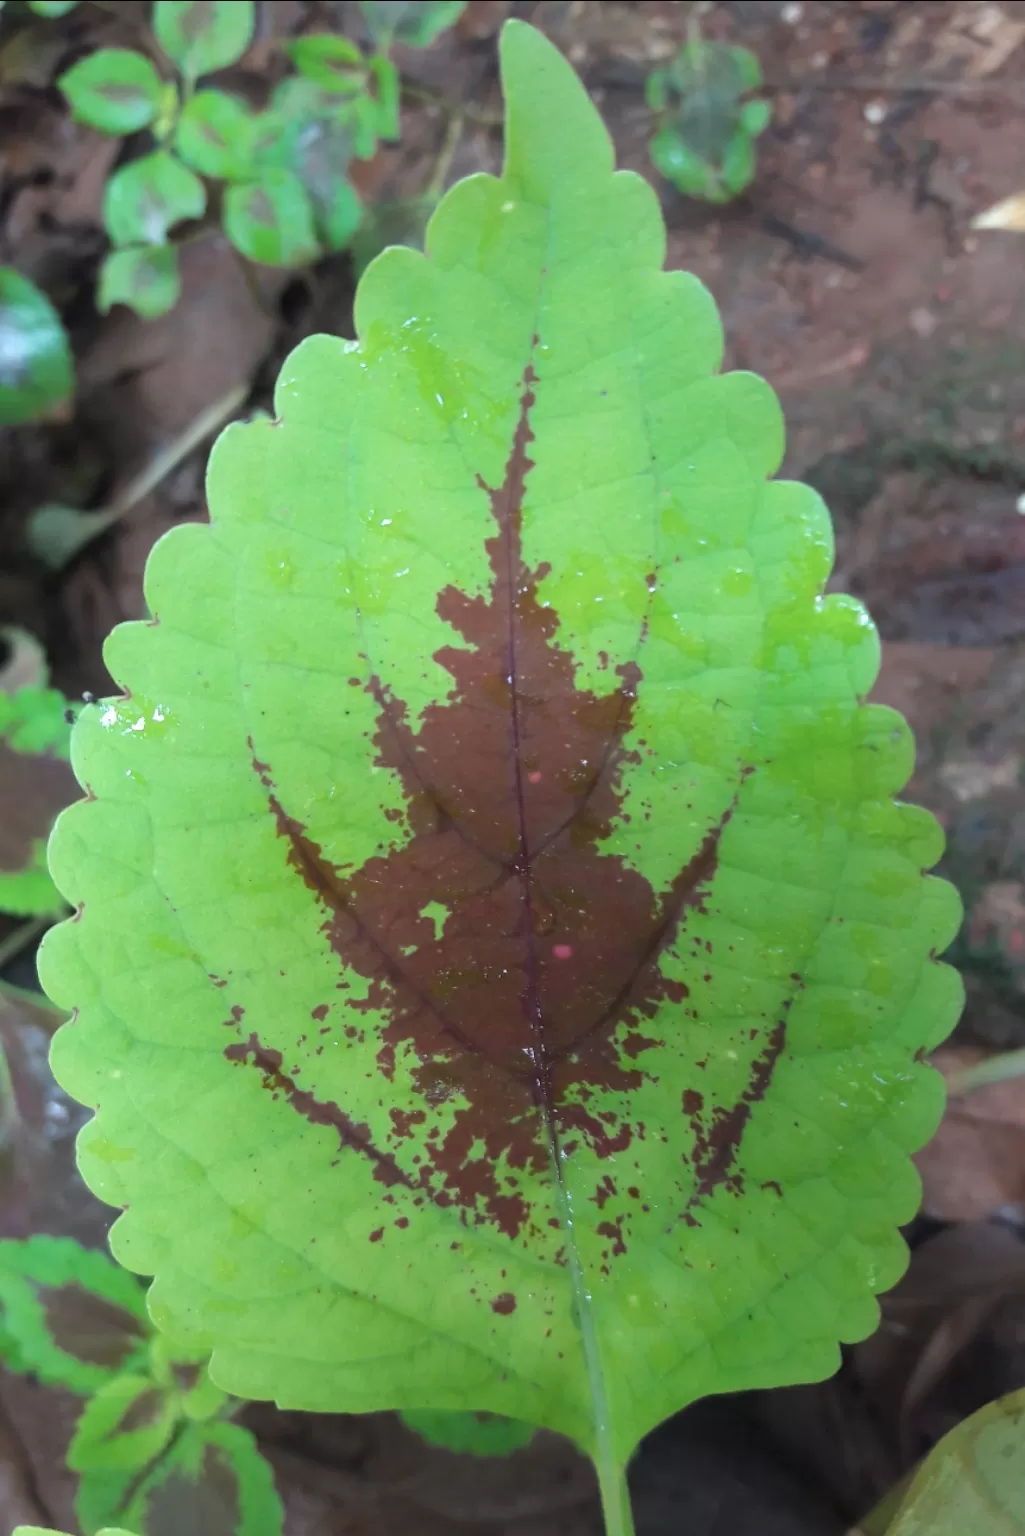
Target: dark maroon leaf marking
{"points": [[351, 1134], [89, 1327], [207, 1505], [140, 1413], [527, 1006], [504, 1304]]}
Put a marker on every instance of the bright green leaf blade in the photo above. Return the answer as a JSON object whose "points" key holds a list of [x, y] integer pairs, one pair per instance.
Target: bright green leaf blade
{"points": [[973, 1481], [271, 220], [330, 61], [123, 1426], [52, 8], [549, 1047], [148, 197], [203, 35], [36, 371], [145, 277], [473, 1434], [76, 1317], [413, 22], [215, 135], [212, 1478], [114, 89]]}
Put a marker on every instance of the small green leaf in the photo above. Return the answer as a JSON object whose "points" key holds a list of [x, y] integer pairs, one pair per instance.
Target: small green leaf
{"points": [[416, 23], [973, 1481], [704, 145], [215, 135], [39, 1530], [123, 1426], [474, 1434], [271, 220], [212, 1479], [310, 133], [203, 35], [146, 198], [387, 101], [115, 90], [36, 371], [330, 61], [145, 277], [36, 783], [52, 8], [77, 1318]]}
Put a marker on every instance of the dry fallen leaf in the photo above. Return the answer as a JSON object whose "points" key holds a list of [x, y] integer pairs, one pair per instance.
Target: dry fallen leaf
{"points": [[1009, 213]]}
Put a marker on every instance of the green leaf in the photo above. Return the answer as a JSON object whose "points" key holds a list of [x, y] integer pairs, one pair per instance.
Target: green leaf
{"points": [[416, 23], [311, 134], [76, 1318], [114, 89], [203, 35], [36, 371], [704, 143], [145, 199], [271, 220], [330, 61], [215, 135], [550, 1047], [35, 783], [39, 1530], [474, 1434], [212, 1478], [145, 277], [973, 1481], [52, 8], [123, 1426]]}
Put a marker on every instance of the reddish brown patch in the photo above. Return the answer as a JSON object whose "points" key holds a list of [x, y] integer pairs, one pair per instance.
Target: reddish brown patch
{"points": [[527, 1008], [504, 1304]]}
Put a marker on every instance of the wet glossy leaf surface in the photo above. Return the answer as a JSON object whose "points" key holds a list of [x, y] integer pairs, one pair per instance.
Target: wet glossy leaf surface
{"points": [[35, 359], [528, 961]]}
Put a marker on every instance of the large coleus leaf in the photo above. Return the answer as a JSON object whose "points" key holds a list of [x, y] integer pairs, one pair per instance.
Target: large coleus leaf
{"points": [[501, 967]]}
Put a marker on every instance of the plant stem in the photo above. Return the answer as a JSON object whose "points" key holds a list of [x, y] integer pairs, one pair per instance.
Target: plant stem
{"points": [[615, 1496], [995, 1069]]}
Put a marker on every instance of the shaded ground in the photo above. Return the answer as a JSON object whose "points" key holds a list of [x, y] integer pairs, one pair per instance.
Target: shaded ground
{"points": [[896, 340]]}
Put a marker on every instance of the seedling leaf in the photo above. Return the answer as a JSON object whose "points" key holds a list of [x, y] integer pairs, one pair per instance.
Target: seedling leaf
{"points": [[271, 220], [114, 89], [76, 1319], [330, 61], [413, 22], [123, 1426], [36, 374], [145, 277], [705, 141], [35, 783], [52, 8], [212, 1478], [502, 969], [203, 35], [148, 197], [214, 135]]}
